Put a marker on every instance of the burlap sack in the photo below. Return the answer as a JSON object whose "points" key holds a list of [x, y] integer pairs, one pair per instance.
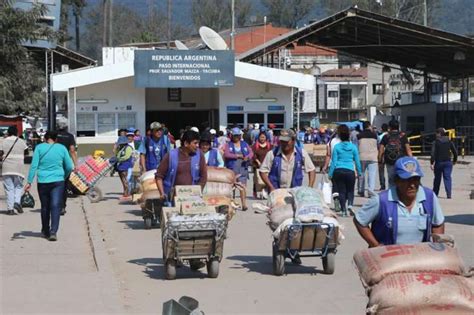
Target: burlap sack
{"points": [[422, 293], [219, 189], [148, 184], [220, 175], [279, 197], [223, 204], [278, 215], [376, 263]]}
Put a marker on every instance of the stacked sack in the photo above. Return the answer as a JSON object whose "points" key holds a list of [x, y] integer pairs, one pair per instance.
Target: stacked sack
{"points": [[425, 278], [219, 190], [298, 205], [148, 188]]}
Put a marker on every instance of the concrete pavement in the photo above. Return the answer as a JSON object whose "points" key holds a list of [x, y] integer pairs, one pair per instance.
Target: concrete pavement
{"points": [[105, 262]]}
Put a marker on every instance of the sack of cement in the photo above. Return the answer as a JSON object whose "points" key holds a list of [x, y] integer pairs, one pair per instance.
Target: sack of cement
{"points": [[309, 205], [376, 263], [279, 214], [220, 175], [147, 181], [279, 197], [217, 188], [422, 293], [222, 204]]}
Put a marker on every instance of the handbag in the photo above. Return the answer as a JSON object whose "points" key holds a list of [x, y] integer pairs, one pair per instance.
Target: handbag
{"points": [[27, 200], [326, 187]]}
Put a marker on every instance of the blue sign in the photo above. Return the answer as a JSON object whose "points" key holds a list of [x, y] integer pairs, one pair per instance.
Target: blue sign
{"points": [[276, 107], [184, 68], [234, 108]]}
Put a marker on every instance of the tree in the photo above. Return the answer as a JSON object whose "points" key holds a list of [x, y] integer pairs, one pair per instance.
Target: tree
{"points": [[77, 7], [287, 13], [216, 14], [21, 78]]}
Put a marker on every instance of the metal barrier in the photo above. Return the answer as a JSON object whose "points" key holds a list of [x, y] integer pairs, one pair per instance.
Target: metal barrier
{"points": [[422, 144]]}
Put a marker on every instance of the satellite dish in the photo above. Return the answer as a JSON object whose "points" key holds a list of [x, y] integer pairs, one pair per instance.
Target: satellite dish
{"points": [[180, 45], [213, 40]]}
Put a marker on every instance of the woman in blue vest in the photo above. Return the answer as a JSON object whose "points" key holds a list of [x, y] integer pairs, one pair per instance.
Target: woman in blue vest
{"points": [[344, 156], [213, 156], [237, 156], [124, 163], [407, 213]]}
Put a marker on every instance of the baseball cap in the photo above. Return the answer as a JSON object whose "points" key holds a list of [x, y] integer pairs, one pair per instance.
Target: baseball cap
{"points": [[206, 137], [256, 126], [196, 129], [155, 125], [212, 131], [122, 140], [287, 135], [407, 167], [236, 131]]}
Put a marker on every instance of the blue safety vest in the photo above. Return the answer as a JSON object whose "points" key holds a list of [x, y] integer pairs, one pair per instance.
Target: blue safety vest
{"points": [[212, 160], [244, 148], [170, 178], [385, 227], [275, 171], [155, 152]]}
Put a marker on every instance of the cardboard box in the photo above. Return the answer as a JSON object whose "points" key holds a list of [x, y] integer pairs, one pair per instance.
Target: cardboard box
{"points": [[187, 191], [196, 207]]}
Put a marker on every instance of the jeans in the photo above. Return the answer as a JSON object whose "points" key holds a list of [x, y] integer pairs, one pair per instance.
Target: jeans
{"points": [[51, 197], [13, 185], [371, 168], [390, 174], [345, 182], [382, 176], [443, 168]]}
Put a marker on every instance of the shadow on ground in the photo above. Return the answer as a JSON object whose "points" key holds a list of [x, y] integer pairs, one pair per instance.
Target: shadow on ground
{"points": [[137, 212], [24, 234], [155, 269], [264, 265], [466, 219]]}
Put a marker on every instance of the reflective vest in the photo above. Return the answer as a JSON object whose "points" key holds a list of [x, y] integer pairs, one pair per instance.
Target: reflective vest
{"points": [[212, 160], [154, 152], [275, 172], [168, 182], [385, 227], [244, 148]]}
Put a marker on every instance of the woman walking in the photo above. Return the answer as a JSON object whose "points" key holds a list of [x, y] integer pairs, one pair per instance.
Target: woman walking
{"points": [[124, 157], [344, 156], [260, 149], [12, 150], [52, 164]]}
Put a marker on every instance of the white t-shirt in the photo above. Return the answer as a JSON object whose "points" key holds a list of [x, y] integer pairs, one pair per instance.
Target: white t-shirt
{"points": [[13, 164]]}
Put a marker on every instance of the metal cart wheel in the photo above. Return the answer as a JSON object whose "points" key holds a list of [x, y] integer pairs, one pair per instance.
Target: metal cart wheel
{"points": [[148, 223], [170, 269], [94, 194], [278, 261], [329, 263], [213, 268]]}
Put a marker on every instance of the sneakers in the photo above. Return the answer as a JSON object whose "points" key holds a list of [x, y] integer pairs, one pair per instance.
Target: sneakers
{"points": [[63, 211], [45, 234], [18, 207], [10, 212], [53, 238]]}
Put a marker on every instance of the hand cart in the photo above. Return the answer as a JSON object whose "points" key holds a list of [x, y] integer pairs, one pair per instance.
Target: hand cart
{"points": [[88, 174], [306, 240], [194, 239]]}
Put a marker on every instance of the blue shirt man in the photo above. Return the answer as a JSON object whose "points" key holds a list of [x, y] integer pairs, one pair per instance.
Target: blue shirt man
{"points": [[153, 149], [418, 212]]}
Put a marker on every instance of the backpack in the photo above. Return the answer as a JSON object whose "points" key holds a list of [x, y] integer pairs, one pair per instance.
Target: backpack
{"points": [[393, 148]]}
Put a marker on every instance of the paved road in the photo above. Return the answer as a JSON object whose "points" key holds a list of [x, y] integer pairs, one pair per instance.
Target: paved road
{"points": [[38, 276]]}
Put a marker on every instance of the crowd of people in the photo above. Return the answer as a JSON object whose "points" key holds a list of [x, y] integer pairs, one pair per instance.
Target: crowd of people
{"points": [[276, 158]]}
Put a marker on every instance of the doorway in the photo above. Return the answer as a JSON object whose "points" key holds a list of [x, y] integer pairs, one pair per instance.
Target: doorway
{"points": [[177, 120]]}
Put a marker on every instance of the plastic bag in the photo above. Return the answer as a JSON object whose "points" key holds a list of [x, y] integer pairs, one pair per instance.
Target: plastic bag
{"points": [[27, 200], [326, 187]]}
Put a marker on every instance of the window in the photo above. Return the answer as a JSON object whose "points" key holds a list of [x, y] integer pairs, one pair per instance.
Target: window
{"points": [[106, 124], [235, 119], [333, 94], [85, 122], [255, 118], [377, 89], [126, 120]]}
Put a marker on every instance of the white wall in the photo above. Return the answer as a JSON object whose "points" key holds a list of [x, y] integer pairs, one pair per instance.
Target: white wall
{"points": [[252, 89], [120, 94]]}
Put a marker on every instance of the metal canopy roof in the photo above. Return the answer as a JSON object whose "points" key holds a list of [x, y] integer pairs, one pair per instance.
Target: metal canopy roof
{"points": [[376, 37]]}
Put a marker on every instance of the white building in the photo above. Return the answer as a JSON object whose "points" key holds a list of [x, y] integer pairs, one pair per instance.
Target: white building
{"points": [[102, 100]]}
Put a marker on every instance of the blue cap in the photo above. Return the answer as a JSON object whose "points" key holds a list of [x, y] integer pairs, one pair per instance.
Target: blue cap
{"points": [[236, 131], [408, 167], [122, 140]]}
